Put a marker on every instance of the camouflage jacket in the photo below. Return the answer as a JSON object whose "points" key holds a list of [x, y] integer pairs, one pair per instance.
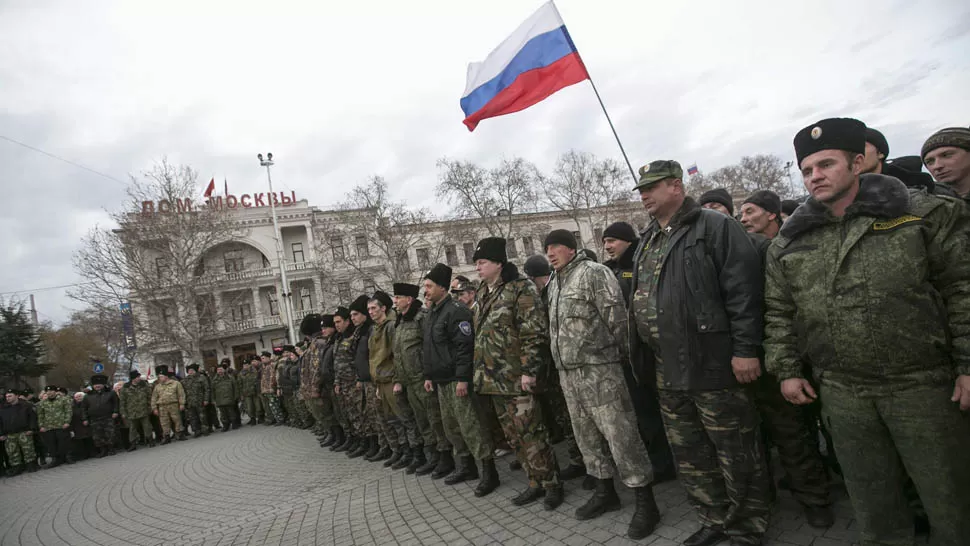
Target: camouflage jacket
{"points": [[289, 377], [196, 387], [170, 392], [380, 347], [587, 318], [267, 378], [510, 329], [880, 296], [248, 382], [54, 414], [224, 390], [343, 357], [408, 342], [311, 379], [136, 400]]}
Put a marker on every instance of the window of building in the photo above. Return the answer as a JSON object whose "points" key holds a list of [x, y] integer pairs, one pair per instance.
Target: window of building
{"points": [[162, 268], [528, 246], [297, 252], [598, 233], [305, 303], [362, 249], [233, 261], [165, 314], [469, 249], [337, 246], [274, 304], [424, 258], [343, 290], [579, 239], [370, 286], [510, 250], [451, 255], [242, 312], [265, 262]]}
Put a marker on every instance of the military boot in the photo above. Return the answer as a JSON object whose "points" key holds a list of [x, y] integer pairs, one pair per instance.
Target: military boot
{"points": [[332, 437], [465, 470], [604, 500], [343, 445], [530, 495], [131, 447], [15, 470], [417, 460], [554, 497], [32, 467], [444, 467], [489, 479], [362, 445], [374, 451], [646, 515], [166, 440], [397, 455], [427, 468], [572, 472], [406, 458], [197, 434], [384, 454]]}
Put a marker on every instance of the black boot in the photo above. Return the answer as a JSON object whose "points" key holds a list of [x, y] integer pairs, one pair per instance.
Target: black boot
{"points": [[15, 470], [646, 516], [465, 470], [407, 455], [335, 435], [529, 496], [343, 445], [361, 450], [706, 536], [395, 457], [572, 472], [131, 447], [489, 479], [32, 467], [384, 454], [418, 460], [554, 497], [444, 467], [604, 500], [373, 449], [589, 483]]}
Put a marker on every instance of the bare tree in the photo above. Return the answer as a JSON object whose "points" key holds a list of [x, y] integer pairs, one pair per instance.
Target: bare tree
{"points": [[753, 173], [154, 259]]}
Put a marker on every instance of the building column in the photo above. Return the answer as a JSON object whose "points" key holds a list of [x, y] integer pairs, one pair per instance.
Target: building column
{"points": [[257, 307], [317, 294], [220, 322], [311, 254]]}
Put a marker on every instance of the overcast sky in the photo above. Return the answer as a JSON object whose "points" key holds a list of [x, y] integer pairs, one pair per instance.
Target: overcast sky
{"points": [[339, 91]]}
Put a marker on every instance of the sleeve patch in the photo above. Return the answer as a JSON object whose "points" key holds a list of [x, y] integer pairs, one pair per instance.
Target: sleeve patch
{"points": [[465, 327]]}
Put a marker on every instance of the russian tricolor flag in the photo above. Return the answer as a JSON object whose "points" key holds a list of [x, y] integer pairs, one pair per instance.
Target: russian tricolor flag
{"points": [[537, 60]]}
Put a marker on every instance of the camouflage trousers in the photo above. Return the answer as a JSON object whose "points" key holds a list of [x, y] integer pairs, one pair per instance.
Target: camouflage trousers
{"points": [[253, 405], [716, 441], [170, 418], [20, 449], [196, 418], [556, 412], [605, 424], [103, 432], [139, 427], [491, 425], [427, 416], [351, 402], [786, 427], [461, 420], [291, 417], [882, 432], [525, 429], [398, 415], [374, 421], [321, 409], [274, 413]]}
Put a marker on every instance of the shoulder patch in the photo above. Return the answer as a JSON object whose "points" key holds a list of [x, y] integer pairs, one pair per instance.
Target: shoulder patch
{"points": [[465, 327], [895, 222], [628, 274]]}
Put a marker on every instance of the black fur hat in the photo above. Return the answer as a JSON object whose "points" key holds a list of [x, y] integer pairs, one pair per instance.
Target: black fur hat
{"points": [[161, 370], [844, 134], [491, 249], [360, 304], [99, 379], [383, 299], [342, 312], [133, 374], [310, 324], [326, 321], [406, 289], [440, 274]]}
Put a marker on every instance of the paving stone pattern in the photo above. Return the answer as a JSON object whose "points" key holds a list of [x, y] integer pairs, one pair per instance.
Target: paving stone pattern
{"points": [[276, 486]]}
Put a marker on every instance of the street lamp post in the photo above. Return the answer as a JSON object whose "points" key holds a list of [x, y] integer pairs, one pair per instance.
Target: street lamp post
{"points": [[287, 307]]}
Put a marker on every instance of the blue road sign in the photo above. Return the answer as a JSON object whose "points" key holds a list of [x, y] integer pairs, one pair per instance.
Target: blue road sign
{"points": [[98, 367]]}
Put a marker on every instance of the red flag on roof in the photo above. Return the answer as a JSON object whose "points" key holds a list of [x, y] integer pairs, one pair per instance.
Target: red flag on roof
{"points": [[210, 188]]}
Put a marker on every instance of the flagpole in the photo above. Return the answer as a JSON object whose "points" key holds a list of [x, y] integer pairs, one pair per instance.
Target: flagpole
{"points": [[600, 100]]}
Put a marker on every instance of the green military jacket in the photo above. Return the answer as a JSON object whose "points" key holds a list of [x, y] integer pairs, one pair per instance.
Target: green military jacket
{"points": [[311, 380], [343, 358], [510, 330], [136, 400], [196, 388], [248, 382], [170, 392], [408, 345], [53, 414], [878, 297], [380, 350], [224, 390], [587, 317]]}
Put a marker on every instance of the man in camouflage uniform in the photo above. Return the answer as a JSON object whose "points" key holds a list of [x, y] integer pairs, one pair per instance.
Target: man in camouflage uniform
{"points": [[268, 388], [329, 414], [869, 284], [197, 398], [224, 396], [511, 329], [248, 382], [380, 438], [589, 342], [393, 406], [100, 408], [289, 382], [311, 379], [349, 393], [409, 379], [697, 325], [136, 407], [54, 420], [168, 401], [449, 369], [18, 421]]}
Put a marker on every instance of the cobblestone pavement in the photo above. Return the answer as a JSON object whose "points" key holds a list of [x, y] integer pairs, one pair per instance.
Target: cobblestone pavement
{"points": [[275, 485]]}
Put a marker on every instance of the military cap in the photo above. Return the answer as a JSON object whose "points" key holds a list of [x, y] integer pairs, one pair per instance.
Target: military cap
{"points": [[383, 299], [717, 195], [491, 249], [289, 349], [958, 137], [768, 200], [267, 354], [310, 324], [463, 285], [133, 374], [161, 370], [192, 366], [406, 289], [99, 379], [440, 274], [844, 134], [50, 388], [360, 304], [326, 321], [655, 171]]}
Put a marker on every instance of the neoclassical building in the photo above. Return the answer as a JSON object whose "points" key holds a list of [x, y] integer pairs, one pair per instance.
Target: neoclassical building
{"points": [[330, 257]]}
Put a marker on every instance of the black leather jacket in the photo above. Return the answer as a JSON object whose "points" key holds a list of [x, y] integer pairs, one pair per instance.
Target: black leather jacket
{"points": [[449, 343], [709, 301], [623, 269]]}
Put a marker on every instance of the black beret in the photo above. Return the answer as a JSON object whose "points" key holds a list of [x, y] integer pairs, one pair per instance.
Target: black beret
{"points": [[561, 237], [765, 199], [406, 289], [310, 324], [537, 266], [621, 231], [133, 374], [844, 134], [717, 195], [326, 321], [491, 249], [342, 312], [877, 139], [440, 274]]}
